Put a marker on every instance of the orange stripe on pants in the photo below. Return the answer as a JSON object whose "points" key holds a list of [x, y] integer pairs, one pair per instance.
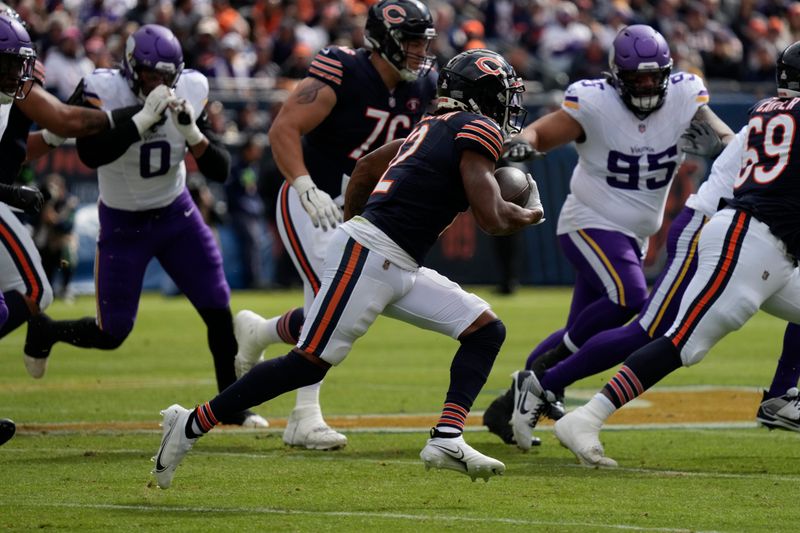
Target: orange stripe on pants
{"points": [[341, 286], [729, 251], [28, 270]]}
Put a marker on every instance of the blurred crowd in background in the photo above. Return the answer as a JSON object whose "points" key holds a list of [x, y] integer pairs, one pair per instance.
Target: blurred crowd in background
{"points": [[249, 47], [550, 41]]}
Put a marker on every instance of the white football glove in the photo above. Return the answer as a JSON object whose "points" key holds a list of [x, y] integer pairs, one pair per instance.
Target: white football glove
{"points": [[534, 201], [318, 204], [153, 110], [51, 139], [184, 119], [701, 139]]}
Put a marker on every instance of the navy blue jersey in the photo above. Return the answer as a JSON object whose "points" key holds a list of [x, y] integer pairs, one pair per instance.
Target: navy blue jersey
{"points": [[768, 186], [421, 192], [366, 115]]}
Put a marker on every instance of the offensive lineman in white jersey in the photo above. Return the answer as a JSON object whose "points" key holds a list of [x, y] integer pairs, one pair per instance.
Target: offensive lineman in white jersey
{"points": [[626, 128], [145, 209]]}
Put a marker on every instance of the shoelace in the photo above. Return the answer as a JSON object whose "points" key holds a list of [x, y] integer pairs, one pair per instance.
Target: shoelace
{"points": [[793, 396], [538, 412]]}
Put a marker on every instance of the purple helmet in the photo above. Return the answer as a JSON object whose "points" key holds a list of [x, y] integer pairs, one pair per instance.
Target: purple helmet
{"points": [[154, 48], [640, 65], [17, 59]]}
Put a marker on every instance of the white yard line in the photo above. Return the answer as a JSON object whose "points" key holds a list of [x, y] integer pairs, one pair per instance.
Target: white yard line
{"points": [[431, 519]]}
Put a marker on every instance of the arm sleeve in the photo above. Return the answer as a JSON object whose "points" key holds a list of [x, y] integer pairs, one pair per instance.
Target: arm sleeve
{"points": [[13, 144], [107, 146], [215, 163]]}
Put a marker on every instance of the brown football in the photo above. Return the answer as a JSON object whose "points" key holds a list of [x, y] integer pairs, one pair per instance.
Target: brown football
{"points": [[514, 186]]}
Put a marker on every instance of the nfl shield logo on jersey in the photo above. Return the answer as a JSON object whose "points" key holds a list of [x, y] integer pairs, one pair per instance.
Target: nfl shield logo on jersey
{"points": [[642, 128]]}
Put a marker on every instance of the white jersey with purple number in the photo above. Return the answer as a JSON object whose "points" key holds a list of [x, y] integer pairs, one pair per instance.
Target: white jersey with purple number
{"points": [[626, 164], [151, 173], [720, 182]]}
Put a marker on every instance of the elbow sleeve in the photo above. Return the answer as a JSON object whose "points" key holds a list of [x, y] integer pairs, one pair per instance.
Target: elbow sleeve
{"points": [[103, 148], [215, 163]]}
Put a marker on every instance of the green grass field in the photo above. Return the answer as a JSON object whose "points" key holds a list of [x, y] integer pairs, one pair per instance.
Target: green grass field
{"points": [[81, 458]]}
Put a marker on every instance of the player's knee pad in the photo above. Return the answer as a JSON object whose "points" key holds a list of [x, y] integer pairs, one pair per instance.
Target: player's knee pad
{"points": [[487, 339]]}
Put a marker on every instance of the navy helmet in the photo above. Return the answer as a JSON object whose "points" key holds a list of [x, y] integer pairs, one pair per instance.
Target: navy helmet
{"points": [[787, 71], [482, 82], [390, 23]]}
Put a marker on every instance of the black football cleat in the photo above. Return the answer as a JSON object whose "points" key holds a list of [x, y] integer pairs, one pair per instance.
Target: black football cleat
{"points": [[497, 418], [7, 430]]}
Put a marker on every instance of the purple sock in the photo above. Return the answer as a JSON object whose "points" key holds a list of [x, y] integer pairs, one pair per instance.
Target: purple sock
{"points": [[603, 351], [549, 343], [788, 371]]}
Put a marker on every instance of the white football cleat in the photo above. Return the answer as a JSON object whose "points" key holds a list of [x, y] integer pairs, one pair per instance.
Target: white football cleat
{"points": [[251, 352], [307, 429], [254, 421], [455, 454], [174, 444], [529, 404], [36, 366], [579, 431]]}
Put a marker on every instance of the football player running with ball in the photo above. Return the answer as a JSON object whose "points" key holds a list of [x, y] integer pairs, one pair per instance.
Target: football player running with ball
{"points": [[627, 128], [400, 198], [145, 209], [351, 102]]}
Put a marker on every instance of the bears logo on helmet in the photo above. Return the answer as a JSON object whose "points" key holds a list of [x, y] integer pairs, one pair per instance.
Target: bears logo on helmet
{"points": [[482, 81]]}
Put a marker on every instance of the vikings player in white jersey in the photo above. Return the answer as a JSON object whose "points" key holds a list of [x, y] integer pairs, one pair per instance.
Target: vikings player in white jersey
{"points": [[145, 209], [611, 347], [626, 128], [747, 260]]}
